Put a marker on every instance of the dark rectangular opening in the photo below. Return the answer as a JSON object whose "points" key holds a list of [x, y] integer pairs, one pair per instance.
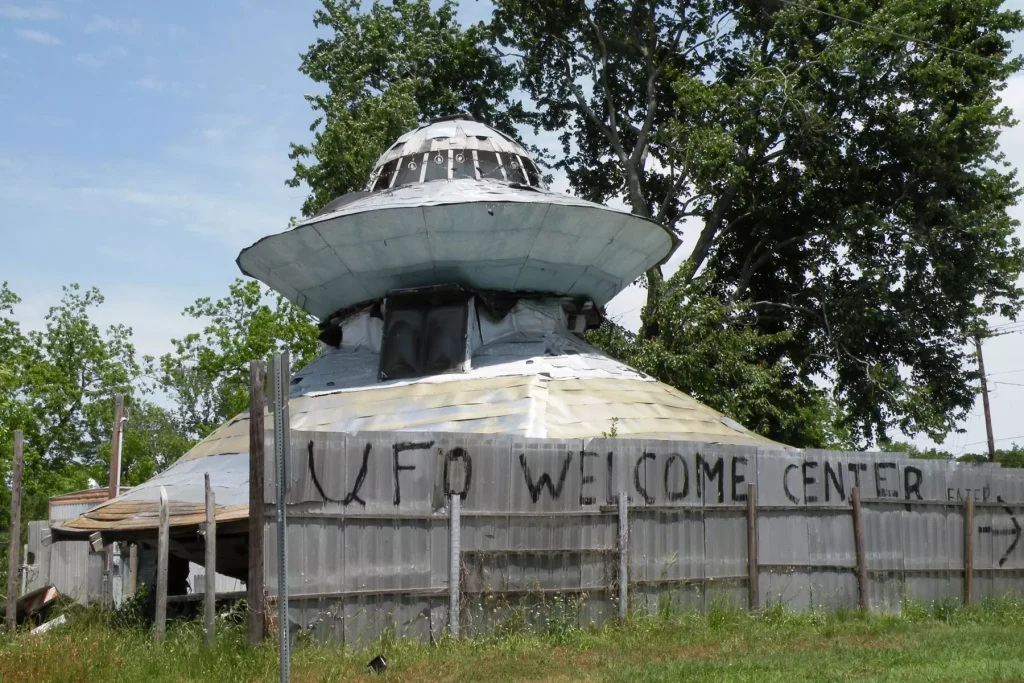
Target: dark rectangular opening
{"points": [[424, 333]]}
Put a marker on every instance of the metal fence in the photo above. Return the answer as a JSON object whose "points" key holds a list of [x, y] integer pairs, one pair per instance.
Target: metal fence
{"points": [[369, 533]]}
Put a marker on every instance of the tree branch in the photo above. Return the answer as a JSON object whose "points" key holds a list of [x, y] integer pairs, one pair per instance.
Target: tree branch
{"points": [[749, 268]]}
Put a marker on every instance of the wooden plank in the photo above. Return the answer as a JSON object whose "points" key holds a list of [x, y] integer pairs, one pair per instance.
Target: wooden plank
{"points": [[15, 537], [254, 584], [753, 599], [968, 549], [210, 580], [160, 628], [133, 570], [858, 539]]}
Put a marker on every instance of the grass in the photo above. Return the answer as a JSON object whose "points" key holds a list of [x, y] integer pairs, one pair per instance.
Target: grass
{"points": [[944, 643]]}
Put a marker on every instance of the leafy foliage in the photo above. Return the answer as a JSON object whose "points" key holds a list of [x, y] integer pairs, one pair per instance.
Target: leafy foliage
{"points": [[712, 351], [1006, 457], [835, 170], [386, 70], [57, 385], [207, 375]]}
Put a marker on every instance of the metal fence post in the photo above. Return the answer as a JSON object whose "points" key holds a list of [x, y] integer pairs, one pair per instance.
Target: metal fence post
{"points": [[968, 549], [210, 580], [753, 599], [623, 556], [858, 540], [163, 543], [282, 452], [454, 562]]}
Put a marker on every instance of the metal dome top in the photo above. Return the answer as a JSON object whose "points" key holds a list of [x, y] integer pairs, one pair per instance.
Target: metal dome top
{"points": [[451, 148], [490, 225]]}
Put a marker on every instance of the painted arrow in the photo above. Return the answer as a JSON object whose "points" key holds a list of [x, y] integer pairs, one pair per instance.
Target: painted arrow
{"points": [[1015, 531]]}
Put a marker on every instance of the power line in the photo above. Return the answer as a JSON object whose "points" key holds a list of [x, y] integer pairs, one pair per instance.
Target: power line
{"points": [[897, 34], [1005, 372], [1010, 384], [1005, 438]]}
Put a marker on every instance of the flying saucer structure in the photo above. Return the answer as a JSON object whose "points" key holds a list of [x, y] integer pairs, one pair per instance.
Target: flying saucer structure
{"points": [[452, 293]]}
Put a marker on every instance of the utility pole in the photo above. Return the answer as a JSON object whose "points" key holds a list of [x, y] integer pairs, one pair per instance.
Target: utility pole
{"points": [[113, 484], [984, 401]]}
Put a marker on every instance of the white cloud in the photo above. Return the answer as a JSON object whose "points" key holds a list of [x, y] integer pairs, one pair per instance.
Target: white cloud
{"points": [[90, 60], [96, 61], [39, 12], [101, 23], [40, 37], [155, 85]]}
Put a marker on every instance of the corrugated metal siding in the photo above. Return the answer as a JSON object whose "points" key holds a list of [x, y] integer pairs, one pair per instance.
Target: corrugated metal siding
{"points": [[69, 511], [69, 569], [539, 528], [39, 555], [197, 581]]}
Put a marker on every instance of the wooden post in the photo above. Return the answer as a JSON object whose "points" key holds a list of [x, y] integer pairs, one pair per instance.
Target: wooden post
{"points": [[968, 549], [984, 401], [15, 539], [133, 570], [623, 556], [163, 542], [113, 486], [210, 582], [858, 539], [454, 562], [254, 582], [753, 598]]}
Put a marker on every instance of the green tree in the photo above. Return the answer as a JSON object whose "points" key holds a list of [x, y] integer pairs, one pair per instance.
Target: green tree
{"points": [[387, 70], [713, 352], [207, 375], [845, 180], [58, 388]]}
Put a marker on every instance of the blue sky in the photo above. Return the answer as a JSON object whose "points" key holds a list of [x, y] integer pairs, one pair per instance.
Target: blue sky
{"points": [[143, 144]]}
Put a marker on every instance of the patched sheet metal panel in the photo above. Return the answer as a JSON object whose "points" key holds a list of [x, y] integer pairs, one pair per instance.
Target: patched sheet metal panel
{"points": [[405, 236]]}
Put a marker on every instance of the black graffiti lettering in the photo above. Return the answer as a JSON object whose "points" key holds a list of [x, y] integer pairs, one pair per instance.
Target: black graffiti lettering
{"points": [[912, 486], [353, 495], [642, 488], [855, 469], [681, 494], [545, 479], [785, 483], [809, 480], [586, 478], [702, 469], [454, 454], [738, 479], [880, 480], [836, 477], [399, 448], [610, 500]]}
